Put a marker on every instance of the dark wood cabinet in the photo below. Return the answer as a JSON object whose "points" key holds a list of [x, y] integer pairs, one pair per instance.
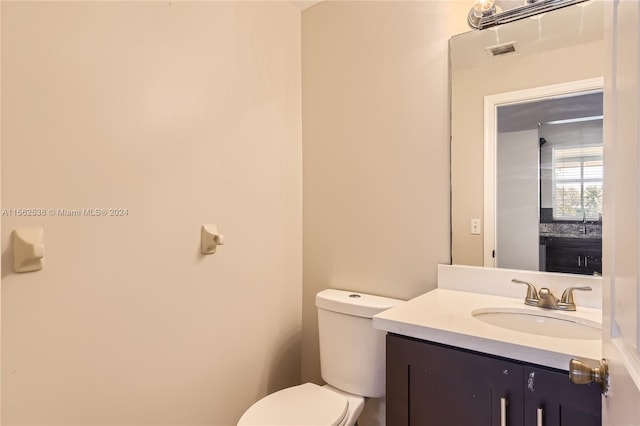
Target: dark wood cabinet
{"points": [[428, 384], [573, 255], [433, 384], [561, 402]]}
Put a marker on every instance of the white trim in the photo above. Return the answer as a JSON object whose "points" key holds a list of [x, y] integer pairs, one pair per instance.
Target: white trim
{"points": [[491, 104]]}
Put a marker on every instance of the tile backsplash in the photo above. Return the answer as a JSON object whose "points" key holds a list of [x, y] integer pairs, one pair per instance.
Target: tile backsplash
{"points": [[575, 230]]}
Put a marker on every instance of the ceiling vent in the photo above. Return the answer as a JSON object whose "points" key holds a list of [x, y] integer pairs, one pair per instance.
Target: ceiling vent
{"points": [[501, 49]]}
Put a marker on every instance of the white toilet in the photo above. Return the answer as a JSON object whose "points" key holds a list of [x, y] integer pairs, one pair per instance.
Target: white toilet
{"points": [[352, 361]]}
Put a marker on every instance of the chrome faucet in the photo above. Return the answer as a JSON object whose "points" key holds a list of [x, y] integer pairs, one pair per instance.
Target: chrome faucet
{"points": [[545, 298]]}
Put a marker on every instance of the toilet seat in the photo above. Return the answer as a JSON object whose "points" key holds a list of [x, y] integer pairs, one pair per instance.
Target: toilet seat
{"points": [[306, 404]]}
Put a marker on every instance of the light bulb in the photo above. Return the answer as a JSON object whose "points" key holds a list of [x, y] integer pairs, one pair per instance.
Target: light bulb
{"points": [[484, 7]]}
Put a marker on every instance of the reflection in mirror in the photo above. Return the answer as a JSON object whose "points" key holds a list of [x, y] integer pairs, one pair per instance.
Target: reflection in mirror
{"points": [[559, 47], [549, 175]]}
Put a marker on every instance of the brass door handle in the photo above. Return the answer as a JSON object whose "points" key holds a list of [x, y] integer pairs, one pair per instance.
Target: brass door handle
{"points": [[581, 374]]}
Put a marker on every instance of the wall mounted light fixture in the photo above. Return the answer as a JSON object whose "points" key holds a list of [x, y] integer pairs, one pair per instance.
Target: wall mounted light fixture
{"points": [[485, 14], [481, 9]]}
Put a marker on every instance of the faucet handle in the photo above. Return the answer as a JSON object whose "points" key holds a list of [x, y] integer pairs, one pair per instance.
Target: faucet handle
{"points": [[532, 293], [567, 295]]}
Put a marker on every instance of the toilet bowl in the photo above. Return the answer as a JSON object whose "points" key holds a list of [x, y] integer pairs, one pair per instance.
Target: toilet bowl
{"points": [[352, 362], [306, 404]]}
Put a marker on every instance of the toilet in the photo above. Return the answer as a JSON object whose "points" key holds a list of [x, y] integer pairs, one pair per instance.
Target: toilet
{"points": [[352, 362]]}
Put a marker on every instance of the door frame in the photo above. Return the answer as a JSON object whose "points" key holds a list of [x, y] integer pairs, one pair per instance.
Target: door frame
{"points": [[491, 104]]}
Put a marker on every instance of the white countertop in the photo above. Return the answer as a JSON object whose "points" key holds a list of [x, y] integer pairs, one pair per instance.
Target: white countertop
{"points": [[444, 316]]}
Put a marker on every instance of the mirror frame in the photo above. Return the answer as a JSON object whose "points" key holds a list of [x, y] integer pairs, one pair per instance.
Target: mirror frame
{"points": [[491, 104]]}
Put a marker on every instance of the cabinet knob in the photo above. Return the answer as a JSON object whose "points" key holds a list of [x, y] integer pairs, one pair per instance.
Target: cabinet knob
{"points": [[581, 374]]}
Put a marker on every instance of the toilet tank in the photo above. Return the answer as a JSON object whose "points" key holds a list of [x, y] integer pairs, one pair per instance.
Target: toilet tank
{"points": [[352, 352]]}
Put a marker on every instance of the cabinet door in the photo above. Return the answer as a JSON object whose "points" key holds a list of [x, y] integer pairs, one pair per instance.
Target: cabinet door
{"points": [[573, 255], [592, 256], [431, 384], [593, 264], [562, 402], [562, 256]]}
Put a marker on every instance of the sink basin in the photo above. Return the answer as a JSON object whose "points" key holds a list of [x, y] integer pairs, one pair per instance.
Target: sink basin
{"points": [[542, 323]]}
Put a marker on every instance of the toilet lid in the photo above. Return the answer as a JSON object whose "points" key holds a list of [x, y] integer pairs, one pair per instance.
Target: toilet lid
{"points": [[306, 404]]}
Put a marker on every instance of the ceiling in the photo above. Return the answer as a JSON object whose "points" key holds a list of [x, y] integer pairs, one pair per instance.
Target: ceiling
{"points": [[526, 116]]}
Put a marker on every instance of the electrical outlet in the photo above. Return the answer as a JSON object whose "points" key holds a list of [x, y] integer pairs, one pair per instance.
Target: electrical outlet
{"points": [[475, 226]]}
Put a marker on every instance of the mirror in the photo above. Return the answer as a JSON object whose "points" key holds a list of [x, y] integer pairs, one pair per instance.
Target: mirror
{"points": [[551, 50]]}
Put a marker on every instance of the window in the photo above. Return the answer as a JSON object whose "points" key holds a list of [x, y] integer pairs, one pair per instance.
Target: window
{"points": [[577, 182]]}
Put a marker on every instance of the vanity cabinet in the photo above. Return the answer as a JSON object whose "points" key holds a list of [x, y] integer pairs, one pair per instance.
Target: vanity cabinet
{"points": [[434, 384], [573, 255]]}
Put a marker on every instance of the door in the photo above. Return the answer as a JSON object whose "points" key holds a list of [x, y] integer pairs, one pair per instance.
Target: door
{"points": [[621, 233], [571, 89]]}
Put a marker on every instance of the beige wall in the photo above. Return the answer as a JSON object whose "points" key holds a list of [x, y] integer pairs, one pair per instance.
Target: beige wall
{"points": [[184, 114], [469, 87], [376, 150]]}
